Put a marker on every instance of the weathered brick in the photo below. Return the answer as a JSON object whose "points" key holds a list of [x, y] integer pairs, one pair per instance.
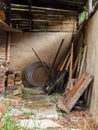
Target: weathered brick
{"points": [[2, 85], [18, 80], [10, 80], [17, 91]]}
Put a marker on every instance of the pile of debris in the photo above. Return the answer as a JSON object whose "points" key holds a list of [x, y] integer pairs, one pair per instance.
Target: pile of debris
{"points": [[10, 81], [14, 82], [79, 120]]}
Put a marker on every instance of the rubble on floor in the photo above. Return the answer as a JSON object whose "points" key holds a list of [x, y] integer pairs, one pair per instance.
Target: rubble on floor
{"points": [[10, 80], [81, 120], [37, 110]]}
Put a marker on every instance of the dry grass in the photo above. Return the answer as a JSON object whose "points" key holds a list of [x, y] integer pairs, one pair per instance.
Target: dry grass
{"points": [[87, 124], [80, 120]]}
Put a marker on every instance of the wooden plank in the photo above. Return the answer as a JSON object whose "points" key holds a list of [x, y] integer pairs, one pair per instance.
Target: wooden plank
{"points": [[75, 65], [30, 15], [70, 82], [83, 60], [9, 12], [3, 41], [79, 53], [81, 84], [8, 48], [6, 27], [89, 7], [71, 62], [59, 78], [57, 53], [64, 62]]}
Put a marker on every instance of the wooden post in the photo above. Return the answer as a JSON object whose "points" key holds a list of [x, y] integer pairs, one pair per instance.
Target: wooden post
{"points": [[83, 60], [8, 47], [70, 82], [30, 15], [71, 62], [9, 12], [89, 7], [8, 34]]}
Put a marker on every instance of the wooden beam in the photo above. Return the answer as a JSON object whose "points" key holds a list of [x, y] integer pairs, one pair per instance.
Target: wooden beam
{"points": [[89, 7], [43, 8], [9, 12], [83, 60], [8, 47], [72, 2], [30, 15]]}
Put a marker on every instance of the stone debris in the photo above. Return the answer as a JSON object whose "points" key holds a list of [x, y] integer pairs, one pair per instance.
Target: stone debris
{"points": [[14, 83], [78, 120], [18, 90], [10, 81], [39, 124], [3, 109], [39, 111], [11, 101], [14, 101], [18, 80], [2, 78]]}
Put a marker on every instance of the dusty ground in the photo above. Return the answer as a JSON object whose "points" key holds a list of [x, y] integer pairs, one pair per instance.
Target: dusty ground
{"points": [[38, 111]]}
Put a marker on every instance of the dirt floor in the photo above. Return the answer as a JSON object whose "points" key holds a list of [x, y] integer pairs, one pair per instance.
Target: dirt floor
{"points": [[35, 110]]}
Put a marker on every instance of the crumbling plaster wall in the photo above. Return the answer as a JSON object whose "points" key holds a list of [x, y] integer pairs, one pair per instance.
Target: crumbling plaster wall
{"points": [[92, 61], [45, 44]]}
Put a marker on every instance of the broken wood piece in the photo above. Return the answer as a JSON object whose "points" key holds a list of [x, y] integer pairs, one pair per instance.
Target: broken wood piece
{"points": [[81, 84]]}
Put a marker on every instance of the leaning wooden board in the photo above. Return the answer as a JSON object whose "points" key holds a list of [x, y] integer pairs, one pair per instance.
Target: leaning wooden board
{"points": [[4, 26], [81, 84]]}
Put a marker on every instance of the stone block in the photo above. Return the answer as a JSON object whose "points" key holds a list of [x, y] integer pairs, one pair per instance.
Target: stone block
{"points": [[17, 91]]}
